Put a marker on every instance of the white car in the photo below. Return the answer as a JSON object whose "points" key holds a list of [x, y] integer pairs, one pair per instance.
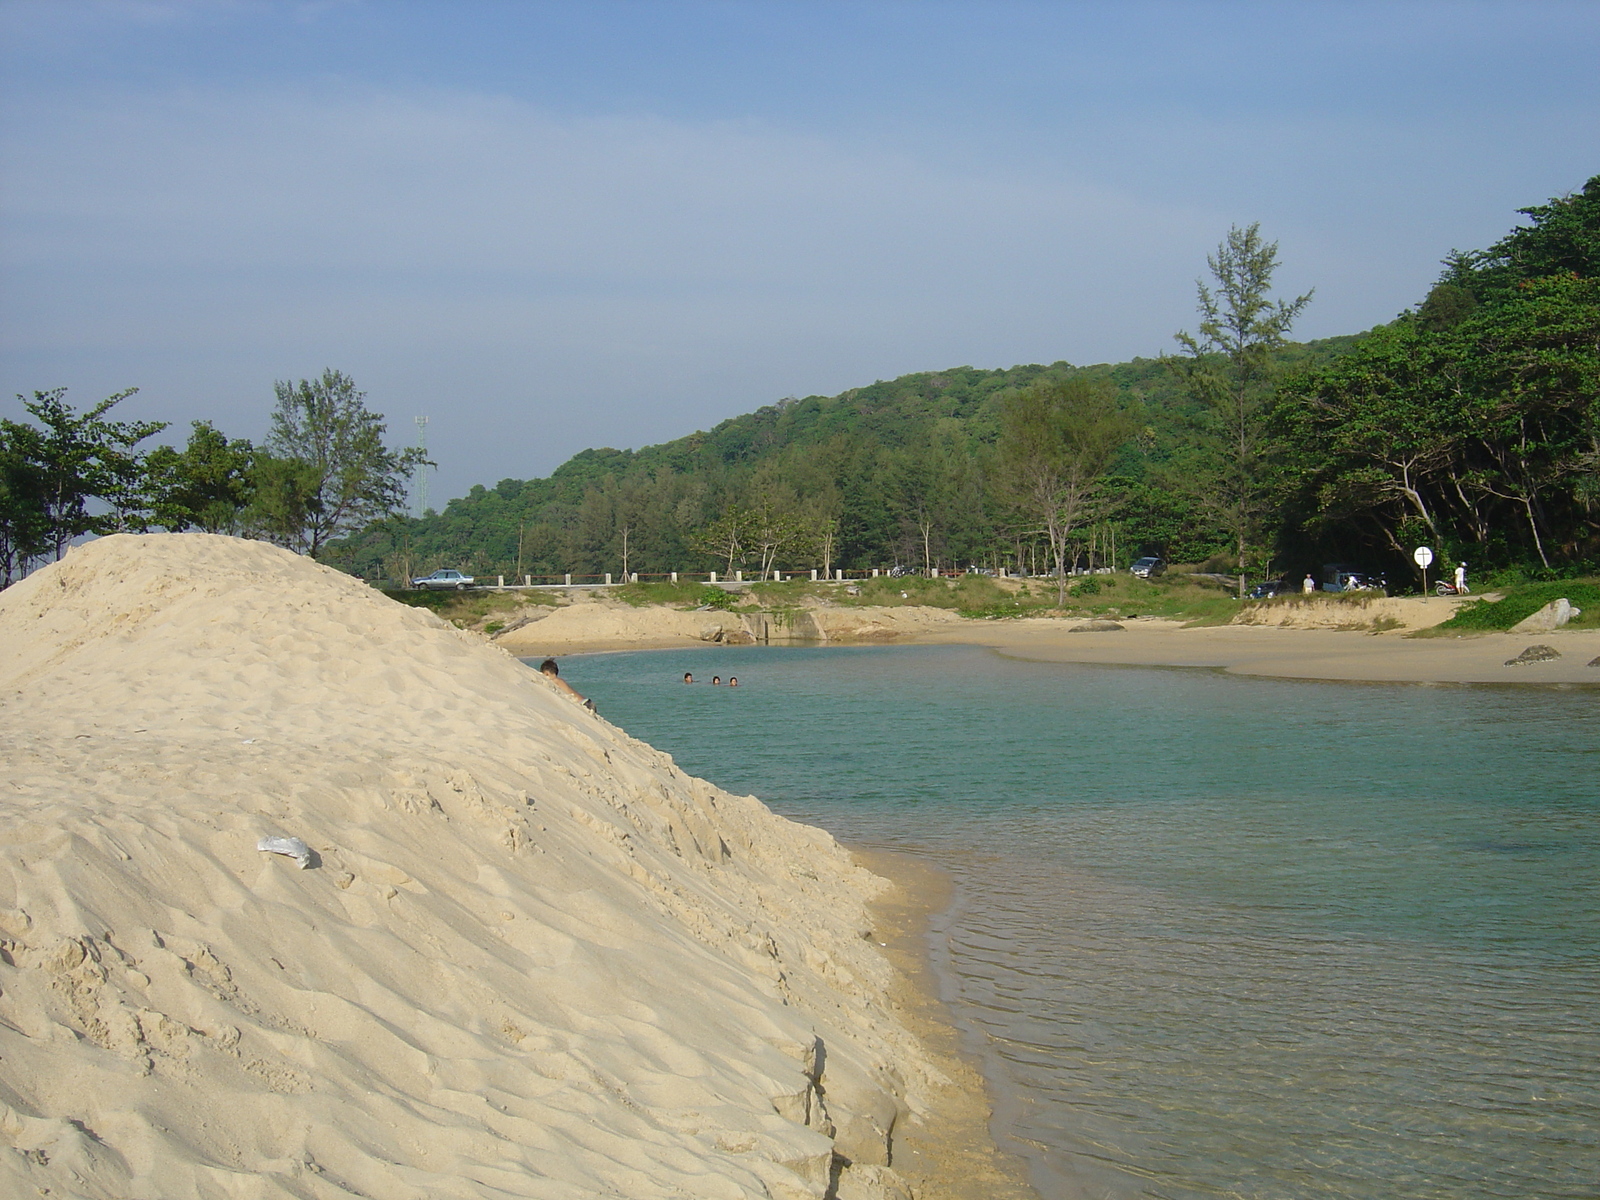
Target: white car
{"points": [[444, 579]]}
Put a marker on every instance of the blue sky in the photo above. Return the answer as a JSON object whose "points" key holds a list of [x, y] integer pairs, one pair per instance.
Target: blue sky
{"points": [[555, 225]]}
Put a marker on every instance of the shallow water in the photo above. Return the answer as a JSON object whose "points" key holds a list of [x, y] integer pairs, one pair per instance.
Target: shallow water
{"points": [[1212, 936]]}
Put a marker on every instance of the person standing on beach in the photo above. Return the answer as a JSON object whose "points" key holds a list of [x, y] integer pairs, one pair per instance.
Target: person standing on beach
{"points": [[1308, 585], [1461, 579]]}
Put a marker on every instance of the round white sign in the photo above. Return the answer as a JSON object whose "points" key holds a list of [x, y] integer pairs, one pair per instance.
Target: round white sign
{"points": [[1424, 557]]}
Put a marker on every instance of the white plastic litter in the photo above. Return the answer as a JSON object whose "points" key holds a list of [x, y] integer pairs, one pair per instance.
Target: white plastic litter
{"points": [[290, 846]]}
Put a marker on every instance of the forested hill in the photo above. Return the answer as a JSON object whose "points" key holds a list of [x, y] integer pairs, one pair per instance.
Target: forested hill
{"points": [[1470, 424], [891, 462]]}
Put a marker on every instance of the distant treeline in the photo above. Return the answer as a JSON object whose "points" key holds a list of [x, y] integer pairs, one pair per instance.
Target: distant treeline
{"points": [[1470, 423], [904, 469], [323, 472]]}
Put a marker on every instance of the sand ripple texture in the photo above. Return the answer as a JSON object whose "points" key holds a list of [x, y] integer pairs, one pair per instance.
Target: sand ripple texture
{"points": [[530, 958]]}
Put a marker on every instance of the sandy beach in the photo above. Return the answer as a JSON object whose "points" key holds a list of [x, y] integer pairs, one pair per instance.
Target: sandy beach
{"points": [[1298, 643], [490, 945], [1298, 653]]}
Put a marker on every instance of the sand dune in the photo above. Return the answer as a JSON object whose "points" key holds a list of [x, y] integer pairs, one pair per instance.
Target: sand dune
{"points": [[530, 956]]}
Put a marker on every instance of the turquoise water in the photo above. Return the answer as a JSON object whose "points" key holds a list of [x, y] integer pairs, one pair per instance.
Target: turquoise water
{"points": [[1212, 936]]}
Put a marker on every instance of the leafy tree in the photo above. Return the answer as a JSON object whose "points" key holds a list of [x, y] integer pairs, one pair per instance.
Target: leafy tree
{"points": [[24, 528], [81, 457], [1057, 441], [724, 538], [821, 536], [283, 500], [773, 528], [1391, 426], [343, 476], [1228, 368], [1563, 239], [207, 485]]}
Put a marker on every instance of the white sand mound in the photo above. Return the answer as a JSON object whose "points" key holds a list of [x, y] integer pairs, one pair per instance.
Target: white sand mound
{"points": [[529, 956]]}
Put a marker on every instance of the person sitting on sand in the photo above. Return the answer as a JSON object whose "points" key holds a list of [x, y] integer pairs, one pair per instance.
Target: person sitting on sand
{"points": [[552, 672], [716, 681], [687, 677]]}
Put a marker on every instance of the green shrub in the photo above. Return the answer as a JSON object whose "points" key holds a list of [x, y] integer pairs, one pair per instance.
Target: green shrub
{"points": [[1523, 601], [719, 598], [664, 591]]}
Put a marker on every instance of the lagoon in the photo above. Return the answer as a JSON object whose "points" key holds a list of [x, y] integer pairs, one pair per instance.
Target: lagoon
{"points": [[1211, 936]]}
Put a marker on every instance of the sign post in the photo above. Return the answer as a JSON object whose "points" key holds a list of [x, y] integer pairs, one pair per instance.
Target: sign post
{"points": [[1424, 558]]}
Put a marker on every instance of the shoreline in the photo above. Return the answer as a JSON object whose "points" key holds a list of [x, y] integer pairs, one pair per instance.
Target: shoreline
{"points": [[1269, 651], [950, 1153], [304, 883], [1313, 655]]}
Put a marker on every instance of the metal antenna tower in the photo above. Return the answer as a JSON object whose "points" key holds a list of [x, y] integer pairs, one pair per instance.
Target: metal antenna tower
{"points": [[420, 491]]}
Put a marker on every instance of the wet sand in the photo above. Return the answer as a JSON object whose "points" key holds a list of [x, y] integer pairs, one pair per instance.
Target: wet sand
{"points": [[1289, 653], [947, 1152]]}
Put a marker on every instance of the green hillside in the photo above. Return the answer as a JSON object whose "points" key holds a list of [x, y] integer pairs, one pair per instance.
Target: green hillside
{"points": [[1470, 424], [880, 458]]}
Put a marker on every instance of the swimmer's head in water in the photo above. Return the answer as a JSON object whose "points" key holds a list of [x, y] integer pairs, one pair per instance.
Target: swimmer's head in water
{"points": [[687, 677], [548, 667], [733, 681], [716, 680]]}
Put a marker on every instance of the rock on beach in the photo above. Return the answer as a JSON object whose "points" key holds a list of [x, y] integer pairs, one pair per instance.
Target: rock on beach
{"points": [[1534, 654], [1555, 615]]}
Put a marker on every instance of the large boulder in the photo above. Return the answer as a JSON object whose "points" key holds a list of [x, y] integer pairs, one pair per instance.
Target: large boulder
{"points": [[1552, 616], [1534, 654]]}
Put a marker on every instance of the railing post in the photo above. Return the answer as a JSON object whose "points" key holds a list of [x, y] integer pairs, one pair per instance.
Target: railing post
{"points": [[634, 578], [838, 573], [738, 576], [527, 581], [566, 580], [500, 581], [674, 577], [874, 572], [813, 574], [713, 577], [608, 577]]}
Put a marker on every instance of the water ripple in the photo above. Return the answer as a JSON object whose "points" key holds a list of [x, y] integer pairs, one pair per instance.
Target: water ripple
{"points": [[1212, 937]]}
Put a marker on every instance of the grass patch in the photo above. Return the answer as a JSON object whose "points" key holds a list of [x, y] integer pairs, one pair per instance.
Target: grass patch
{"points": [[1175, 597], [675, 595], [789, 594], [982, 597], [464, 609], [1523, 600], [1170, 597]]}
